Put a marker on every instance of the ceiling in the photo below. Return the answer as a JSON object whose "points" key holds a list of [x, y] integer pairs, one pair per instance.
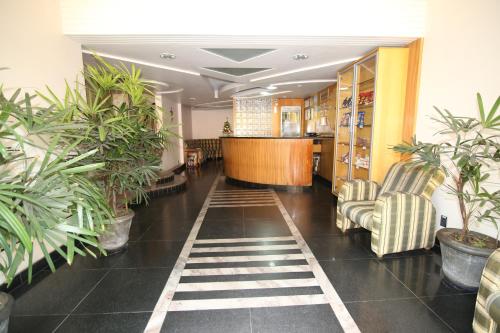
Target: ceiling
{"points": [[207, 75]]}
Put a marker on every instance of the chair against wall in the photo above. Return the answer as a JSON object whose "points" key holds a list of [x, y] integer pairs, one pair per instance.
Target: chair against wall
{"points": [[487, 313], [399, 213], [211, 148]]}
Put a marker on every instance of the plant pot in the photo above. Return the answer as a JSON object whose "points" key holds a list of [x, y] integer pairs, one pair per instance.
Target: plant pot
{"points": [[115, 237], [463, 264], [6, 303]]}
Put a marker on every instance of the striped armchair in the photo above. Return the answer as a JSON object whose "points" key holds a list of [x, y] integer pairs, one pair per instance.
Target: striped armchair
{"points": [[487, 314], [399, 213], [211, 148]]}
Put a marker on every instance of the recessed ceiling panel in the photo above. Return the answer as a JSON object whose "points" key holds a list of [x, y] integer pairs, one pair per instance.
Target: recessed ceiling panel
{"points": [[236, 71], [239, 55]]}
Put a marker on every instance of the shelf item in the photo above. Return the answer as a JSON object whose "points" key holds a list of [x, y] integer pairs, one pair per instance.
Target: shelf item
{"points": [[371, 100]]}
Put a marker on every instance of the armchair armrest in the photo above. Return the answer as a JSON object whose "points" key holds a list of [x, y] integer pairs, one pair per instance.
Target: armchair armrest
{"points": [[357, 190], [354, 190], [401, 222], [493, 307]]}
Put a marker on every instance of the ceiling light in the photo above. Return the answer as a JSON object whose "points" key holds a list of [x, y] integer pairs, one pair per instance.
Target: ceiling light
{"points": [[171, 91], [300, 56], [168, 56], [140, 62], [271, 87], [303, 82], [299, 85], [265, 93], [192, 98], [216, 102], [158, 83], [303, 69]]}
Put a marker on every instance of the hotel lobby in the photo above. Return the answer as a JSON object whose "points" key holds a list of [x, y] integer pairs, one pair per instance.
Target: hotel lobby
{"points": [[191, 167]]}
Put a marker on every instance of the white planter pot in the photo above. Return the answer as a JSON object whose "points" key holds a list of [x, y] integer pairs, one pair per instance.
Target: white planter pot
{"points": [[116, 235]]}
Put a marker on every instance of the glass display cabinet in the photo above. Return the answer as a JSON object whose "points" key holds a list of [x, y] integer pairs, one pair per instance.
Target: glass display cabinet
{"points": [[363, 119], [370, 115], [290, 120], [345, 91]]}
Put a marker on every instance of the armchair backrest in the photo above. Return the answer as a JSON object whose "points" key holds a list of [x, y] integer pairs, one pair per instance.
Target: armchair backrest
{"points": [[402, 177]]}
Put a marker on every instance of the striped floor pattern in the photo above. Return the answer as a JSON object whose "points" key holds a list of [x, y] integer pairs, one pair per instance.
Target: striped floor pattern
{"points": [[258, 279], [242, 198], [235, 273]]}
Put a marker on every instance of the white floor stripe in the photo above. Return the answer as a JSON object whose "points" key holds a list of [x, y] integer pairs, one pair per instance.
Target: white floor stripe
{"points": [[165, 303], [245, 270], [241, 199], [247, 302], [247, 194], [160, 311], [236, 191], [243, 240], [244, 248], [338, 307], [242, 205], [262, 197], [233, 196], [270, 257], [240, 285]]}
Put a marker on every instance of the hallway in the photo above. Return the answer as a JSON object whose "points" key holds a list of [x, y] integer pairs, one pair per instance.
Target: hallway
{"points": [[221, 258]]}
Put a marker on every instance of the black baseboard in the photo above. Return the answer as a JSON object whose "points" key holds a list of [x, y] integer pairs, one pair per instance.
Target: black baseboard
{"points": [[21, 278], [242, 183]]}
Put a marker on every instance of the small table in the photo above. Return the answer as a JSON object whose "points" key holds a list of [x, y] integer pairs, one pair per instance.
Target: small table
{"points": [[193, 157]]}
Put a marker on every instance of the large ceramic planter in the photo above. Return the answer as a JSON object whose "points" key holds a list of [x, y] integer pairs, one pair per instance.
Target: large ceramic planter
{"points": [[116, 235], [463, 264], [6, 303]]}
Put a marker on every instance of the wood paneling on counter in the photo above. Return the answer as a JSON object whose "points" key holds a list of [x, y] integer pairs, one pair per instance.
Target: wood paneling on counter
{"points": [[326, 159], [270, 161]]}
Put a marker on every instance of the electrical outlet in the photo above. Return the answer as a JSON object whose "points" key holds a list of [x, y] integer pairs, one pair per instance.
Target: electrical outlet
{"points": [[444, 221]]}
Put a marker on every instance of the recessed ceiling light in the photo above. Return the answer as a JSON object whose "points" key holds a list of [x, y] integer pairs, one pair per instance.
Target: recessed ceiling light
{"points": [[140, 62], [192, 98], [271, 87], [168, 56], [300, 56]]}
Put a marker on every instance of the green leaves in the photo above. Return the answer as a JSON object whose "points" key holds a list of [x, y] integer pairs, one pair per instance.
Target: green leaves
{"points": [[468, 152], [489, 120], [45, 198]]}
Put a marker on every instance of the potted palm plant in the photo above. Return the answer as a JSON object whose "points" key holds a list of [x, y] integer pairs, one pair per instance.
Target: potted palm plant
{"points": [[469, 154], [46, 199], [121, 123]]}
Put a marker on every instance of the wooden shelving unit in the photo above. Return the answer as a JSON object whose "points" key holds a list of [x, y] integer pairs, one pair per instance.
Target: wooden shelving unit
{"points": [[370, 99]]}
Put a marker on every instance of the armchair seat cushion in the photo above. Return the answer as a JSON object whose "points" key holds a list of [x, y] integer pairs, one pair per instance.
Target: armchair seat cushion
{"points": [[360, 212]]}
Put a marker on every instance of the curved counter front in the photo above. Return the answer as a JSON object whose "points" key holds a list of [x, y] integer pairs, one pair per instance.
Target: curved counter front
{"points": [[268, 161]]}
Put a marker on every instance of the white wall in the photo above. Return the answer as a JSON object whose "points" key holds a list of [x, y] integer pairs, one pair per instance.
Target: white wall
{"points": [[257, 17], [172, 117], [207, 124], [37, 53], [187, 123], [34, 48], [460, 58]]}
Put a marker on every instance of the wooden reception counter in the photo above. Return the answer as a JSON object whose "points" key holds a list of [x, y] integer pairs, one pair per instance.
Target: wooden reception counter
{"points": [[268, 160]]}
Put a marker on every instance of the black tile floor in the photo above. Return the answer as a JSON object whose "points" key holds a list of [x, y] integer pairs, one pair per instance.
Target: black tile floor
{"points": [[400, 293]]}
